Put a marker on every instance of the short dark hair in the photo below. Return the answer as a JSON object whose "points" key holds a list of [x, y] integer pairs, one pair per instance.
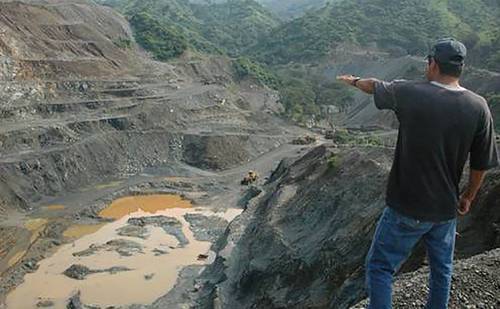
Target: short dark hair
{"points": [[450, 69]]}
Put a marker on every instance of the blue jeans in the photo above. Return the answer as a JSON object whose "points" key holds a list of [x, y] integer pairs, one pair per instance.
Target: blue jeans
{"points": [[394, 239]]}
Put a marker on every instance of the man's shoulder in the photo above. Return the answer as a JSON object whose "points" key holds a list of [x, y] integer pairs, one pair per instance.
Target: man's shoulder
{"points": [[409, 84], [409, 87], [476, 97], [426, 85]]}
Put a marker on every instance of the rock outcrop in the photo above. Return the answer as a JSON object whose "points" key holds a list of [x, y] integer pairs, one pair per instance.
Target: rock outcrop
{"points": [[304, 239], [170, 225], [302, 242], [80, 272]]}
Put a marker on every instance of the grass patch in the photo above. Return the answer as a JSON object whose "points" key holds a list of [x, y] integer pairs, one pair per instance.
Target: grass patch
{"points": [[244, 68], [123, 43], [334, 162], [344, 137]]}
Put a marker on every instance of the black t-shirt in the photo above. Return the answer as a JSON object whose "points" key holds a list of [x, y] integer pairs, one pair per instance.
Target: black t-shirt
{"points": [[439, 128]]}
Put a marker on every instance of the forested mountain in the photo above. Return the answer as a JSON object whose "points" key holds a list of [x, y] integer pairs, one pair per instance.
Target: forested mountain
{"points": [[228, 27], [399, 26], [285, 9], [292, 8]]}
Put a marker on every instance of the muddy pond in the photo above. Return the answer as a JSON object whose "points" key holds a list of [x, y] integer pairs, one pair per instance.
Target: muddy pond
{"points": [[133, 260]]}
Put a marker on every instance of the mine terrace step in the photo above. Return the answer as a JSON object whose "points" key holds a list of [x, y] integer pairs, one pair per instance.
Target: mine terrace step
{"points": [[22, 156], [90, 103], [44, 123]]}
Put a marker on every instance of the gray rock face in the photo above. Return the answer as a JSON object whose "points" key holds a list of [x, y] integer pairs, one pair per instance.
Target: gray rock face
{"points": [[206, 228], [45, 304], [170, 225], [74, 302], [123, 247], [306, 237], [133, 231], [479, 231], [80, 272]]}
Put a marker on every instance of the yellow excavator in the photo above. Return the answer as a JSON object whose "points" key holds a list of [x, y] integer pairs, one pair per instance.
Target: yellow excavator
{"points": [[250, 178]]}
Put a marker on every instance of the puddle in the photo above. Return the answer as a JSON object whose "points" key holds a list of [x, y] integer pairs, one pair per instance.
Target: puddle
{"points": [[80, 230], [148, 203], [153, 271]]}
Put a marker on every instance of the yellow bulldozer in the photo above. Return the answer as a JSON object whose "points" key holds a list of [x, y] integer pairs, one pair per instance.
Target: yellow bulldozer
{"points": [[250, 178]]}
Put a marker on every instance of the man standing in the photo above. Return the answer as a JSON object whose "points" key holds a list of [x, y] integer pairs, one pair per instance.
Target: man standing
{"points": [[441, 123]]}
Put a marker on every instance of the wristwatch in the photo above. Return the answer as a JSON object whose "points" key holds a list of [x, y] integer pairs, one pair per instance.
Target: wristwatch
{"points": [[355, 81]]}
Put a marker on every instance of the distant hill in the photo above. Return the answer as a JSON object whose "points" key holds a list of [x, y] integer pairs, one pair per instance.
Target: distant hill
{"points": [[398, 26], [292, 8], [206, 26]]}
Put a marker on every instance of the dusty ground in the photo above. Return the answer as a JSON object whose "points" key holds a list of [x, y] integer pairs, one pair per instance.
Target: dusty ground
{"points": [[476, 284]]}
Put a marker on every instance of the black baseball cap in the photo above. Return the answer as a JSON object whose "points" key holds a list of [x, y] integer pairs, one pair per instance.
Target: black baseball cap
{"points": [[449, 51]]}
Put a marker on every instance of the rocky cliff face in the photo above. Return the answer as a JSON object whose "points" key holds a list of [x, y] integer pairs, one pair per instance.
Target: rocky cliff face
{"points": [[305, 237], [81, 103], [302, 242]]}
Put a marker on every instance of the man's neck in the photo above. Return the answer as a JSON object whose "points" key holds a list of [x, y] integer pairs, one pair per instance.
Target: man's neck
{"points": [[447, 80]]}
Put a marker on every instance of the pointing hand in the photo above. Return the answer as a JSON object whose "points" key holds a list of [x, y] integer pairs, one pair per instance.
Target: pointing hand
{"points": [[348, 79]]}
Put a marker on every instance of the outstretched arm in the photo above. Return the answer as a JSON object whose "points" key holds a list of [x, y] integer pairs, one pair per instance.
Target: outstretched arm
{"points": [[366, 85]]}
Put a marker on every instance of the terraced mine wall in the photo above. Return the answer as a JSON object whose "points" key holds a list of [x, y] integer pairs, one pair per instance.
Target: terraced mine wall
{"points": [[77, 108]]}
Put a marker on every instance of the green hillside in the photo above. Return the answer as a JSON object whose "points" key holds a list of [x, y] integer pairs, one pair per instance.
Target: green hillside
{"points": [[292, 8], [163, 41], [399, 26], [228, 27], [234, 25]]}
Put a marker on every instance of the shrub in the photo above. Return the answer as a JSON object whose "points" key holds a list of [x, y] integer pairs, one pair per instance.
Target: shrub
{"points": [[123, 43], [162, 41], [334, 162], [244, 68]]}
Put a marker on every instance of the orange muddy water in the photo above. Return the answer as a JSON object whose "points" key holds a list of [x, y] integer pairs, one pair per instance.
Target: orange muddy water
{"points": [[151, 275], [148, 203]]}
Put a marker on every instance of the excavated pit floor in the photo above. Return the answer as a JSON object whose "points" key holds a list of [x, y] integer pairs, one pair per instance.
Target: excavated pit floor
{"points": [[153, 268]]}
